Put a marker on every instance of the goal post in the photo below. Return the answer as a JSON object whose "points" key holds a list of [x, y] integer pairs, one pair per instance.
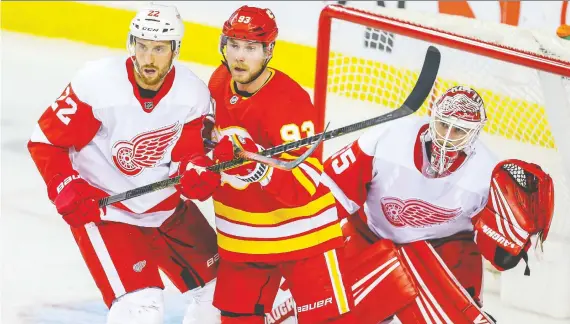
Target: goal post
{"points": [[368, 62]]}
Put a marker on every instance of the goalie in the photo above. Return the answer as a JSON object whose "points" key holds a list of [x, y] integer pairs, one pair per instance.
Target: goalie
{"points": [[419, 181]]}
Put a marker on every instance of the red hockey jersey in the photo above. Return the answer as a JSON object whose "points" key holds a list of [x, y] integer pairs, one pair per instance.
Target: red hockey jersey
{"points": [[290, 218]]}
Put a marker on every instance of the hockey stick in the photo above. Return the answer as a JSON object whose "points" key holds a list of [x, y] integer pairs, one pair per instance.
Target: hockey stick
{"points": [[280, 164], [243, 156], [417, 96]]}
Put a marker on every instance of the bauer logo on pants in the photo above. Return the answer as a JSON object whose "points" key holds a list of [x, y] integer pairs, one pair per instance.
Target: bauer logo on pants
{"points": [[315, 305]]}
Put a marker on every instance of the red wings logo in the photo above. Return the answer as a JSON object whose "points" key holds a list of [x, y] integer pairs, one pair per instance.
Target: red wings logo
{"points": [[415, 212], [144, 150]]}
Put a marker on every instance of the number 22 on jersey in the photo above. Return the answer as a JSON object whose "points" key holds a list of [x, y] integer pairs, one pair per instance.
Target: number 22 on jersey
{"points": [[63, 113]]}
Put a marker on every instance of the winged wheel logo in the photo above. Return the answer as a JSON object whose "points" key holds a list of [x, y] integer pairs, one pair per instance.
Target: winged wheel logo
{"points": [[144, 150]]}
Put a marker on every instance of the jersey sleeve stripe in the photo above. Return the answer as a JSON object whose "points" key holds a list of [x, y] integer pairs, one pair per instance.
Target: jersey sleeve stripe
{"points": [[310, 169], [38, 136], [346, 203], [304, 181], [315, 176]]}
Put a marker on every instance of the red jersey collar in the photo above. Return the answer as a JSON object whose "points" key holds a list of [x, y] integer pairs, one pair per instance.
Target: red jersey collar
{"points": [[148, 104]]}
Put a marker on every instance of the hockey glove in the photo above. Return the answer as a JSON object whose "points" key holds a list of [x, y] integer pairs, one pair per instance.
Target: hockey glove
{"points": [[76, 200], [249, 172], [520, 204], [197, 182]]}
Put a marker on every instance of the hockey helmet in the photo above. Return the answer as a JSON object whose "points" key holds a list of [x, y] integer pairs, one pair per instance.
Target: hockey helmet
{"points": [[157, 23], [458, 117], [251, 24]]}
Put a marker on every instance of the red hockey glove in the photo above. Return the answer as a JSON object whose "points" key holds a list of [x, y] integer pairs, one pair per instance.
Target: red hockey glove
{"points": [[521, 204], [249, 172], [77, 201], [197, 182]]}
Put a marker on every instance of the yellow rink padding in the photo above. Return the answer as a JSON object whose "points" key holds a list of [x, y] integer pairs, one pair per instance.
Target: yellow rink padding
{"points": [[105, 26], [352, 77]]}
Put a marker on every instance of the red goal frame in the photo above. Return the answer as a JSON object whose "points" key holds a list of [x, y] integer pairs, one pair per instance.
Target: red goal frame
{"points": [[417, 31]]}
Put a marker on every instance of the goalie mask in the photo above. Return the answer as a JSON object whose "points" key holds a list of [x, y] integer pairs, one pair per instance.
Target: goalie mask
{"points": [[457, 119]]}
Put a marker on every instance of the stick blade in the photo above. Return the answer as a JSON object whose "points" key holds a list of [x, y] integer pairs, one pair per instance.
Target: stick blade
{"points": [[280, 164], [426, 80]]}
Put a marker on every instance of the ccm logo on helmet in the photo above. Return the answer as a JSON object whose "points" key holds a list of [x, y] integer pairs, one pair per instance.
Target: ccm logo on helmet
{"points": [[150, 29]]}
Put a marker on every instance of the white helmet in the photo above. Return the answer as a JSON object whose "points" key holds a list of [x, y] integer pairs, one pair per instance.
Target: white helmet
{"points": [[157, 23]]}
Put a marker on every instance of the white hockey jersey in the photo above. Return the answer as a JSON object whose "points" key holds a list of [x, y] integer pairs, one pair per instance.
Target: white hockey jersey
{"points": [[117, 140], [381, 173]]}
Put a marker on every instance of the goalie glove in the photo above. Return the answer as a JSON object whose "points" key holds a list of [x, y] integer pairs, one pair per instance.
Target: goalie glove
{"points": [[520, 205], [249, 172]]}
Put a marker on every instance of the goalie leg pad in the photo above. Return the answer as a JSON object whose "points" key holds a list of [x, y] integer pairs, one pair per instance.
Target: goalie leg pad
{"points": [[145, 306], [407, 280], [461, 255], [379, 283], [441, 298]]}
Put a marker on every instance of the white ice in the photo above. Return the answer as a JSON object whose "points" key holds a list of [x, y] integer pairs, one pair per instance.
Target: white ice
{"points": [[44, 279]]}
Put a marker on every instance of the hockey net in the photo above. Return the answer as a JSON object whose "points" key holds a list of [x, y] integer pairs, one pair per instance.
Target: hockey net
{"points": [[367, 63]]}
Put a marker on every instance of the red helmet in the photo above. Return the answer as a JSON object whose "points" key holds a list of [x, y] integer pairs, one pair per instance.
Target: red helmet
{"points": [[253, 24]]}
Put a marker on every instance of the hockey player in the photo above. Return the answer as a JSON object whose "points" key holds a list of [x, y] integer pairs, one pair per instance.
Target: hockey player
{"points": [[119, 124], [430, 180], [262, 233]]}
